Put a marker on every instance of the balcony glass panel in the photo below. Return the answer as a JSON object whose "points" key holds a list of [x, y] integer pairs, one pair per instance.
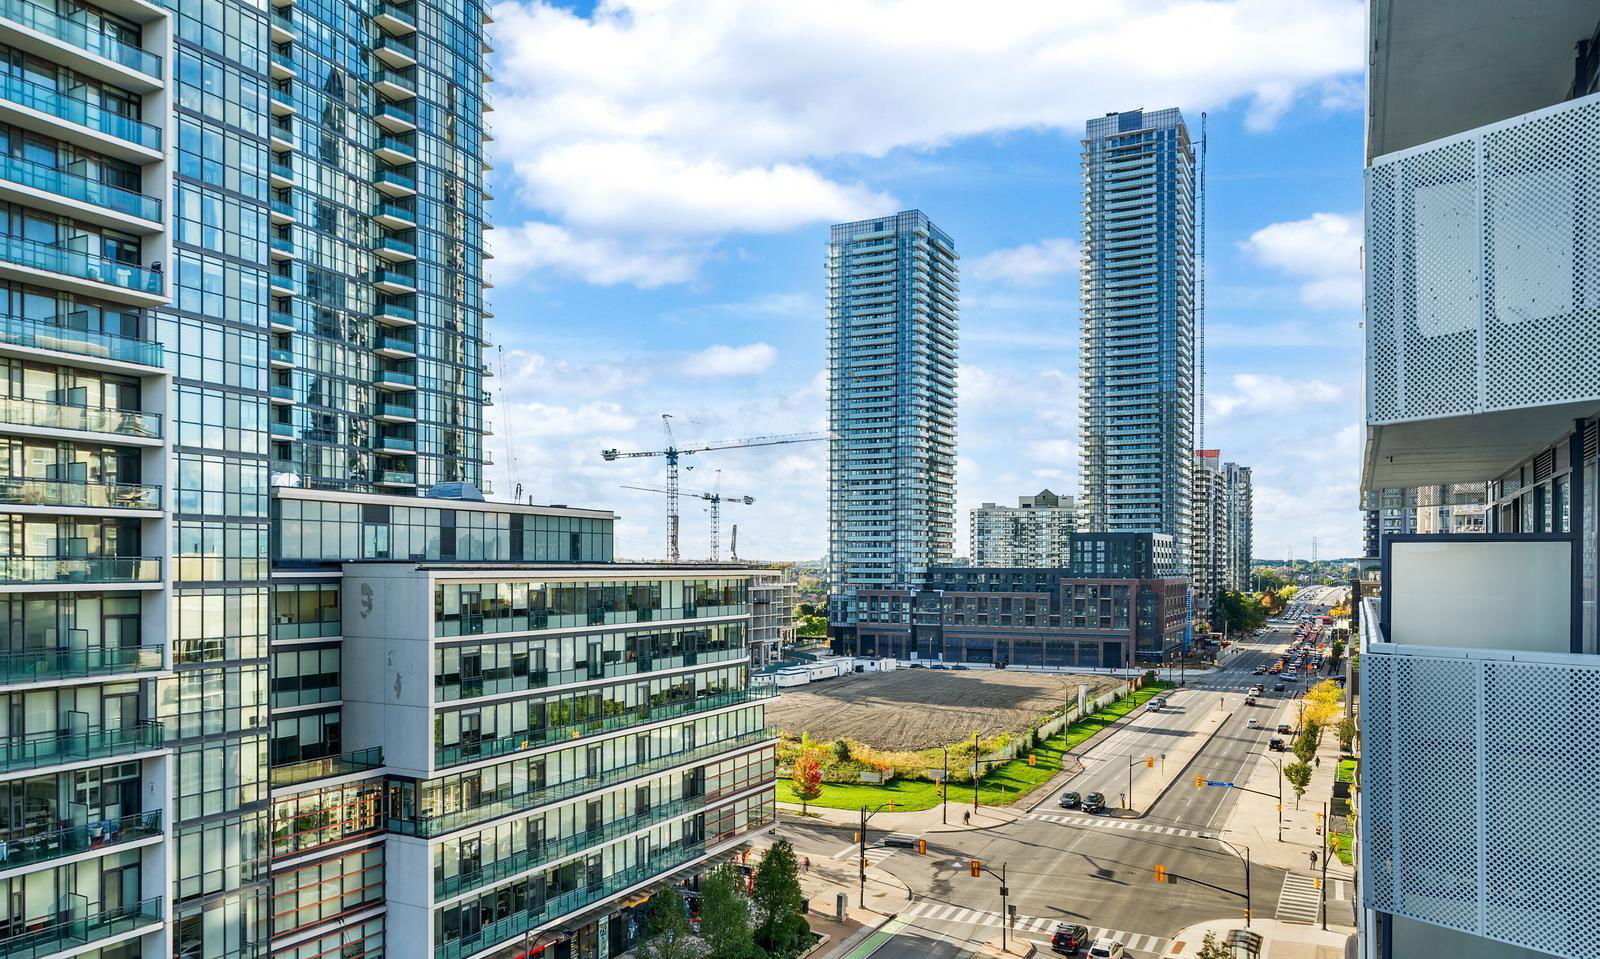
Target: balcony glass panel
{"points": [[42, 335], [40, 177], [27, 848], [84, 266], [359, 761], [49, 22], [62, 933], [41, 570], [54, 748], [36, 96], [34, 665], [20, 412]]}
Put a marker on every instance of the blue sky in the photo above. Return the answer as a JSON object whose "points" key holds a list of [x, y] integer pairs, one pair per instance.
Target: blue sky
{"points": [[666, 170]]}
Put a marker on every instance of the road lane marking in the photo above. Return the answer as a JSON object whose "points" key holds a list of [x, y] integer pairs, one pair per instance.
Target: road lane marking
{"points": [[1118, 824], [1299, 900], [940, 912]]}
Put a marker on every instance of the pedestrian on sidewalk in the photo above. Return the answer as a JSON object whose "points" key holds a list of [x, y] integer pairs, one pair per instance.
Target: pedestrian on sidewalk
{"points": [[966, 818], [807, 862], [1313, 859]]}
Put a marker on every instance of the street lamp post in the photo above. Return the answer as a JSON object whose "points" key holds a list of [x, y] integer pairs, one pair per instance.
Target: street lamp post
{"points": [[1245, 858], [1279, 765], [975, 768], [944, 788]]}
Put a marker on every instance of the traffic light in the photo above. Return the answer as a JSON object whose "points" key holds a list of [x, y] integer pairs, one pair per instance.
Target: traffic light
{"points": [[1161, 874], [1149, 762], [977, 869], [1033, 760], [922, 847], [1316, 883], [1199, 781]]}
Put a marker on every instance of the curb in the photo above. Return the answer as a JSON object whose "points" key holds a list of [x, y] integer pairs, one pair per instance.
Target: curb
{"points": [[1049, 786], [1182, 773]]}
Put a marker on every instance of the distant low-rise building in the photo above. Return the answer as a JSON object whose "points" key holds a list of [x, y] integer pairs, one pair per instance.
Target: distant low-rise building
{"points": [[773, 593], [1035, 532]]}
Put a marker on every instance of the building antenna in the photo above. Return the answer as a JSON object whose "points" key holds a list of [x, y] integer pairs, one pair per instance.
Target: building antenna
{"points": [[1200, 300]]}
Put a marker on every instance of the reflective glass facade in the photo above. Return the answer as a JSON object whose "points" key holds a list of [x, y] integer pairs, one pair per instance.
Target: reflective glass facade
{"points": [[1138, 349], [893, 315]]}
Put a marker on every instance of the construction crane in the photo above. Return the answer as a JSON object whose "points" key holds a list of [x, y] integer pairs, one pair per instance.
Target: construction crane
{"points": [[716, 498], [673, 453]]}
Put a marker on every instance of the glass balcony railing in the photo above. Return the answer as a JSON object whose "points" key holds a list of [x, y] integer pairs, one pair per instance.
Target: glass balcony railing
{"points": [[53, 748], [37, 96], [398, 344], [565, 845], [398, 443], [44, 570], [283, 245], [493, 806], [38, 665], [283, 208], [395, 111], [397, 245], [396, 478], [43, 335], [285, 97], [28, 848], [61, 934], [74, 263], [280, 18], [545, 910], [401, 12], [396, 178], [397, 311], [282, 318], [282, 356], [394, 277], [283, 60], [26, 173], [490, 748], [31, 491], [398, 409], [405, 79], [49, 22], [283, 430], [397, 211], [395, 378], [22, 412], [359, 761], [282, 392], [403, 48]]}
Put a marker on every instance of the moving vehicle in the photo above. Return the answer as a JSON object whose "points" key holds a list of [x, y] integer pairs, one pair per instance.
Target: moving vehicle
{"points": [[1094, 802], [1286, 729], [1070, 800], [1253, 723], [1277, 687], [1260, 669], [1275, 744], [1068, 938], [1249, 700], [1107, 949]]}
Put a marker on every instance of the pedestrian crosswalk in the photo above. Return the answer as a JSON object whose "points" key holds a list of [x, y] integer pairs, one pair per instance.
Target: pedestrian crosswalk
{"points": [[1299, 900], [875, 854], [1035, 925], [1106, 823]]}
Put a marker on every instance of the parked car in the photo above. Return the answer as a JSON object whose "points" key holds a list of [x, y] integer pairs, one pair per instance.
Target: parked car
{"points": [[1286, 729], [1070, 800], [1068, 939], [1094, 802], [1275, 744], [1107, 949]]}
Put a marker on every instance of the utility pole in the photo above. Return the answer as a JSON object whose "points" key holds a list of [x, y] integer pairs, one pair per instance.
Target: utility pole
{"points": [[1130, 782], [944, 789], [975, 768], [1327, 853], [861, 859]]}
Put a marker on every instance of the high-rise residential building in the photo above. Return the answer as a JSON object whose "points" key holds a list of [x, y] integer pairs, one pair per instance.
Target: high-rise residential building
{"points": [[1035, 532], [242, 273], [1238, 505], [1138, 342], [893, 295], [1478, 661], [1435, 508], [1208, 531], [774, 590]]}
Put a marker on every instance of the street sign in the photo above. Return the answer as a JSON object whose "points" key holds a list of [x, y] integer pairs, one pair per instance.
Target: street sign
{"points": [[1220, 784]]}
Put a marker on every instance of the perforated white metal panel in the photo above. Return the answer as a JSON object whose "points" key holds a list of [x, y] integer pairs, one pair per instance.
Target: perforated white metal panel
{"points": [[1481, 796], [1483, 268]]}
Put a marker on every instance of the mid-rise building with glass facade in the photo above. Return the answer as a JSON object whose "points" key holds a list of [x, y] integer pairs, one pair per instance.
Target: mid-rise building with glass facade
{"points": [[893, 290], [1138, 340], [1035, 532]]}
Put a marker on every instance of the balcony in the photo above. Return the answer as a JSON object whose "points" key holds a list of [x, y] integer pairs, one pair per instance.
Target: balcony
{"points": [[393, 281], [61, 416], [282, 321], [282, 174], [41, 335], [282, 285], [55, 748], [397, 413], [395, 216], [282, 102], [50, 23], [33, 255], [283, 67], [396, 18], [281, 130], [58, 663], [540, 912], [26, 849], [429, 826], [310, 770], [53, 493], [394, 478], [67, 934], [395, 249], [282, 26], [393, 314], [281, 393], [281, 357], [394, 380], [395, 150], [398, 445], [282, 248], [1479, 276], [79, 571], [395, 118], [394, 183], [281, 430], [282, 212], [70, 186], [444, 756], [45, 100], [396, 84], [396, 51], [395, 347]]}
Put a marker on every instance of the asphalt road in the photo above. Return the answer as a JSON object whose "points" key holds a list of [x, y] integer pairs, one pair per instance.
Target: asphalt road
{"points": [[1099, 871]]}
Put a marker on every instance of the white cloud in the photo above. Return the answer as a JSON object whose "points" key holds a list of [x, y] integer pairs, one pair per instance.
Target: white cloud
{"points": [[1029, 264], [1323, 251], [721, 360], [688, 120], [537, 420], [603, 261], [1259, 393]]}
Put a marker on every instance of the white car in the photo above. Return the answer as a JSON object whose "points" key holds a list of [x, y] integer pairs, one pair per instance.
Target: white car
{"points": [[1254, 723], [1107, 949]]}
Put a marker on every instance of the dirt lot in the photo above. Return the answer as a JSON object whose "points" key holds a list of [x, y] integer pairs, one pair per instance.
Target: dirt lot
{"points": [[919, 708]]}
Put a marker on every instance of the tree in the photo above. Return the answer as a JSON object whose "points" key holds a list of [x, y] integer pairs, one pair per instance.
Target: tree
{"points": [[1240, 613], [725, 916], [1211, 948], [1305, 744], [841, 750], [1347, 733], [666, 930], [806, 778], [1299, 776], [779, 903], [1324, 703]]}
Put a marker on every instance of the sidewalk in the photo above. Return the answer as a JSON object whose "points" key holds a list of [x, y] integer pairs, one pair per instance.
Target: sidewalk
{"points": [[829, 876], [924, 822], [1279, 940]]}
